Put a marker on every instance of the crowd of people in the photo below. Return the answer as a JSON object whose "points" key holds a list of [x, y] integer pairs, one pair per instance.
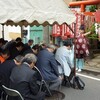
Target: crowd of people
{"points": [[18, 60]]}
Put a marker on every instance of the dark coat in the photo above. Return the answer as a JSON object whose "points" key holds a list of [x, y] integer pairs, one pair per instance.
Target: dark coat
{"points": [[23, 79], [13, 53], [5, 71], [47, 64], [27, 51]]}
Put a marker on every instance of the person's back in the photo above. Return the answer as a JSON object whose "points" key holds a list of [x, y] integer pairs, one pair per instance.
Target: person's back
{"points": [[63, 57], [5, 71], [47, 65], [20, 78], [24, 79], [16, 50]]}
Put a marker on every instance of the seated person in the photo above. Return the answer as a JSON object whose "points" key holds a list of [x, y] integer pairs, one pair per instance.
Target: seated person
{"points": [[16, 50], [63, 58], [6, 68], [48, 67], [24, 79], [33, 50], [4, 55]]}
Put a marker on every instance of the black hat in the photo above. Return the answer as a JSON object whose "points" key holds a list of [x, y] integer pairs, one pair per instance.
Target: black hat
{"points": [[82, 27]]}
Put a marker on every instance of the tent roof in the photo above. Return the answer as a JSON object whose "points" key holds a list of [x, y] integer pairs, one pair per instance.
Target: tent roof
{"points": [[35, 12]]}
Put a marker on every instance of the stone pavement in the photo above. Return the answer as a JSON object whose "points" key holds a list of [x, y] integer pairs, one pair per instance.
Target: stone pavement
{"points": [[93, 64]]}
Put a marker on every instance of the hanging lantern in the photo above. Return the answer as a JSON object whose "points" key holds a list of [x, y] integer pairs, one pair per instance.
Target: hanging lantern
{"points": [[65, 31], [56, 31]]}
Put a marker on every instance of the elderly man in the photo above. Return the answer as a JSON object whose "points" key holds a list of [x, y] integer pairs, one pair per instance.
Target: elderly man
{"points": [[48, 66], [24, 79]]}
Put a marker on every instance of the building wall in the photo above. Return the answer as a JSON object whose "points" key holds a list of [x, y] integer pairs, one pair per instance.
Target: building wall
{"points": [[36, 33], [46, 35], [10, 32]]}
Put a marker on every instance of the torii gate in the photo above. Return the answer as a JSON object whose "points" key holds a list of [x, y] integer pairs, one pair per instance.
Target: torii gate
{"points": [[82, 4]]}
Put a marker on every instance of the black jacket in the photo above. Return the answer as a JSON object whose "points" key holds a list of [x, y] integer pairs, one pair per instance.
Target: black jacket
{"points": [[23, 79], [5, 71]]}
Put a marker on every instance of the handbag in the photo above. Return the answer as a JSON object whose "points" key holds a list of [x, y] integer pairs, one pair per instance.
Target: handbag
{"points": [[77, 83]]}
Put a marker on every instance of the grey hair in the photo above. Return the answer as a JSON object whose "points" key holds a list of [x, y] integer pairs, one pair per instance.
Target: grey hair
{"points": [[19, 58], [29, 58], [51, 46]]}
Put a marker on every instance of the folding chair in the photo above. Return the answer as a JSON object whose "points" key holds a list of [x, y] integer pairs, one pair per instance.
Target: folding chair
{"points": [[12, 93], [1, 90], [43, 82]]}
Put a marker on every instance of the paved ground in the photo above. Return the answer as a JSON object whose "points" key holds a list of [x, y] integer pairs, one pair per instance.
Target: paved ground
{"points": [[90, 74], [90, 92], [93, 64]]}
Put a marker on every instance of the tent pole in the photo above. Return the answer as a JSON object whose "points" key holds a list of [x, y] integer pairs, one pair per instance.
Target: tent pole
{"points": [[21, 31], [3, 31], [74, 31]]}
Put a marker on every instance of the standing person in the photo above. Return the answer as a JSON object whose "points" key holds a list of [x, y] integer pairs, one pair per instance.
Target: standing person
{"points": [[48, 67], [81, 48], [24, 79]]}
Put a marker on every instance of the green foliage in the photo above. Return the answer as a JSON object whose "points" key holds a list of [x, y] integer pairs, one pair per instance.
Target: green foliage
{"points": [[93, 8], [93, 34]]}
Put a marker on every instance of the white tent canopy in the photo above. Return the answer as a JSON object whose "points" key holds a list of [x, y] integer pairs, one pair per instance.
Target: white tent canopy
{"points": [[30, 12]]}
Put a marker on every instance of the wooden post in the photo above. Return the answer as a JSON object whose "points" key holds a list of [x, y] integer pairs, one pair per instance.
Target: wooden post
{"points": [[74, 49], [21, 31], [74, 31]]}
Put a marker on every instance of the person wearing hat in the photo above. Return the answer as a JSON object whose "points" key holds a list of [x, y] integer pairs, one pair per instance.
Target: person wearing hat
{"points": [[81, 50]]}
